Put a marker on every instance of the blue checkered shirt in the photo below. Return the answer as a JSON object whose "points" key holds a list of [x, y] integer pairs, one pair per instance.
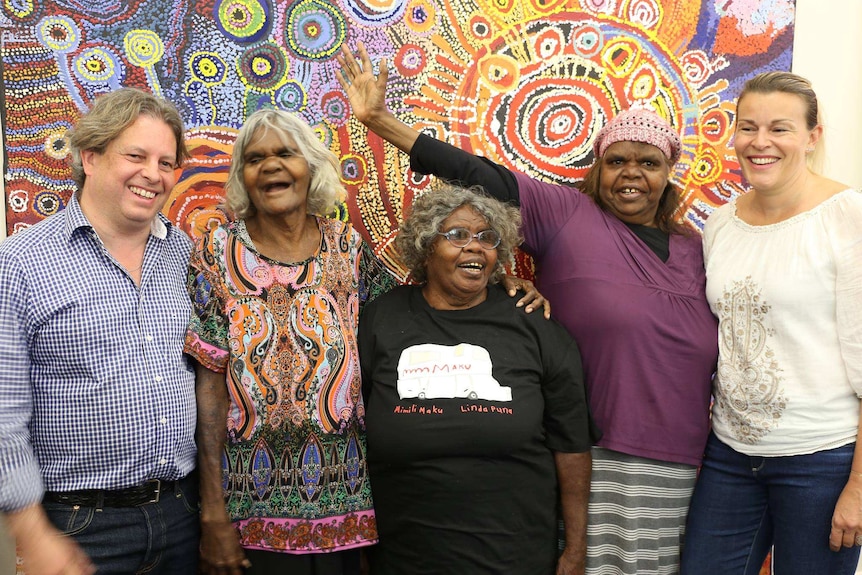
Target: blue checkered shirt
{"points": [[95, 392]]}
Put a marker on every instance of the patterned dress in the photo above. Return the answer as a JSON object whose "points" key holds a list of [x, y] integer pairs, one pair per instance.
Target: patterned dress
{"points": [[294, 471]]}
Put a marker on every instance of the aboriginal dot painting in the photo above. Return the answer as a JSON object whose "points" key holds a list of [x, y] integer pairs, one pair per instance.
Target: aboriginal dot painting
{"points": [[526, 83]]}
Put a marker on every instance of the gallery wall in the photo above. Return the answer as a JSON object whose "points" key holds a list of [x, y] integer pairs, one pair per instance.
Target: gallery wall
{"points": [[827, 50]]}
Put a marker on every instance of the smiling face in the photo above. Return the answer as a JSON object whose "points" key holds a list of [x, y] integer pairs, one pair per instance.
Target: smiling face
{"points": [[632, 181], [771, 139], [275, 174], [129, 183], [458, 277]]}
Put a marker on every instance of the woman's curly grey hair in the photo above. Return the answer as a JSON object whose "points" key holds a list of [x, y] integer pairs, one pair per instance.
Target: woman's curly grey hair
{"points": [[419, 231], [325, 191]]}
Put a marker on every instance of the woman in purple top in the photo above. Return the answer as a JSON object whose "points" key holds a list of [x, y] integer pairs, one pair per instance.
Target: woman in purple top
{"points": [[628, 283]]}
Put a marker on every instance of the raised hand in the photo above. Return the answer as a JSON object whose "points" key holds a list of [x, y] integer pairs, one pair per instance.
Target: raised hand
{"points": [[365, 91]]}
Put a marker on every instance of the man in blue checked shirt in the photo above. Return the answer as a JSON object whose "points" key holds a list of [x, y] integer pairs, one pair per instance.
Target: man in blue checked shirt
{"points": [[97, 404]]}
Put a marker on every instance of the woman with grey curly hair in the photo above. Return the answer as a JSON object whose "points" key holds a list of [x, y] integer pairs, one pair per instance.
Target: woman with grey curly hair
{"points": [[418, 233], [477, 416]]}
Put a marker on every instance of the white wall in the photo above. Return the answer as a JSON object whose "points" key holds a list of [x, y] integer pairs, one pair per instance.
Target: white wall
{"points": [[826, 49], [827, 45]]}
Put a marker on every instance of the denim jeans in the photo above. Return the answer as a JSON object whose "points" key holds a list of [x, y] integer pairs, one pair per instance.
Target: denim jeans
{"points": [[157, 538], [744, 505]]}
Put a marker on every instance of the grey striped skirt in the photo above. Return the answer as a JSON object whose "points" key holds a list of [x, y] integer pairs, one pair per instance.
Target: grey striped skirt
{"points": [[637, 514]]}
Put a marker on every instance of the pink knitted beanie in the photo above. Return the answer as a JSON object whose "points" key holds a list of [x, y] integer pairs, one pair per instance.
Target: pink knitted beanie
{"points": [[639, 125]]}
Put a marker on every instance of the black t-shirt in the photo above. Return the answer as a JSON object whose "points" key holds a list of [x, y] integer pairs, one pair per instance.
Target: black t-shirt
{"points": [[464, 409]]}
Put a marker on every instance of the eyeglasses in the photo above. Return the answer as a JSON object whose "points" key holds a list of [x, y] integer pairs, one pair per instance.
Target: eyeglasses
{"points": [[461, 238]]}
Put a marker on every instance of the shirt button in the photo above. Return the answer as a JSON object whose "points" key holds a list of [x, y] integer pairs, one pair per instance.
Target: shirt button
{"points": [[162, 461], [149, 338], [158, 378], [163, 420]]}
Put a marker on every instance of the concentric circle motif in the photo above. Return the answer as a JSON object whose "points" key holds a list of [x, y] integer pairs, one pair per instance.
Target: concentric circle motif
{"points": [[144, 48], [314, 29], [59, 33], [410, 60], [335, 108], [695, 64], [208, 68], [715, 126], [555, 119], [620, 56], [98, 64], [47, 203], [353, 169], [646, 13], [501, 71], [418, 181], [263, 67], [542, 113], [19, 10], [57, 145], [375, 12], [420, 16], [292, 96], [643, 84], [588, 40], [707, 167], [17, 200], [323, 133], [480, 27], [245, 21], [549, 43]]}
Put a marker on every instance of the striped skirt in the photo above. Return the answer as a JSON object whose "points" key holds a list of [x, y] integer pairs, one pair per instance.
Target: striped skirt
{"points": [[637, 514]]}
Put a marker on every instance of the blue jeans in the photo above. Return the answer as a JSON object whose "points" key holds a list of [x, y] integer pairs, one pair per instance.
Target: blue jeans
{"points": [[157, 538], [744, 505]]}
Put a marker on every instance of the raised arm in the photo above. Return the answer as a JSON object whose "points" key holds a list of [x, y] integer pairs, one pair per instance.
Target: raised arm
{"points": [[366, 93]]}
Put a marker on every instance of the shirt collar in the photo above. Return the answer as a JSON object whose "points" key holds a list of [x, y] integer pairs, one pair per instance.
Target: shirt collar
{"points": [[75, 219]]}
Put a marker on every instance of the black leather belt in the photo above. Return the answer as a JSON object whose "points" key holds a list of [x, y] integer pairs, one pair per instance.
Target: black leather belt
{"points": [[147, 492]]}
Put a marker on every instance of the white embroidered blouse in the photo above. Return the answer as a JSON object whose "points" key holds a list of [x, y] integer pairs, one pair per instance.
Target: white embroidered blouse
{"points": [[788, 297]]}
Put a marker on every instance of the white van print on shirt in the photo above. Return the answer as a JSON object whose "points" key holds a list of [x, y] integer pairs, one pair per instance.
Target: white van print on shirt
{"points": [[431, 371]]}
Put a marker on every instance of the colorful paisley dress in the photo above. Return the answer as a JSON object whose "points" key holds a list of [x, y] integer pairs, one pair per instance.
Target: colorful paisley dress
{"points": [[294, 471]]}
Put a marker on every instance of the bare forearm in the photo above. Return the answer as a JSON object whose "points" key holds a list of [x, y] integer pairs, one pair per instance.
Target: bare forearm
{"points": [[387, 126], [573, 474], [212, 406]]}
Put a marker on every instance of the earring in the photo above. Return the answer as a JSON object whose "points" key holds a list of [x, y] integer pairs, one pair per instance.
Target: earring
{"points": [[809, 150]]}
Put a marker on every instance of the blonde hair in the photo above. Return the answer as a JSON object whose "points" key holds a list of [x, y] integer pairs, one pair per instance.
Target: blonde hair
{"points": [[109, 117], [789, 83]]}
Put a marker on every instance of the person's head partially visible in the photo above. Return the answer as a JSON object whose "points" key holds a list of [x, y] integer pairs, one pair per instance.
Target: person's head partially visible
{"points": [[280, 165], [125, 153], [635, 153], [455, 241]]}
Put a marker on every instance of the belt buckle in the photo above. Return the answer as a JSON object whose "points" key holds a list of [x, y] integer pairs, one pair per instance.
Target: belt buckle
{"points": [[158, 490]]}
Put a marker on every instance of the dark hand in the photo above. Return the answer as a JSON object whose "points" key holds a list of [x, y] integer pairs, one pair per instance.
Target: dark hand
{"points": [[220, 550], [532, 298], [365, 91], [571, 564]]}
